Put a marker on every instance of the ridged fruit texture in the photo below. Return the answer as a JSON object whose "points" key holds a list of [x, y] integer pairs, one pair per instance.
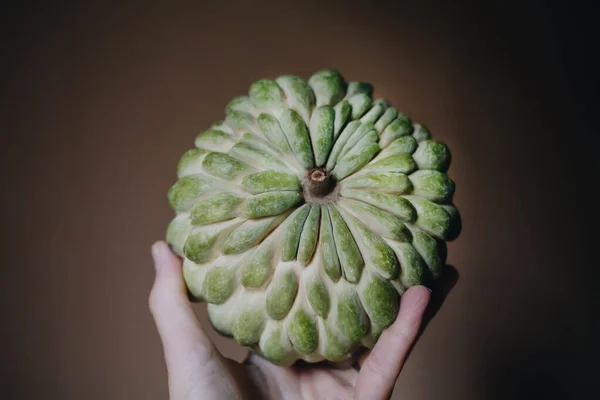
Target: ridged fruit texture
{"points": [[304, 215]]}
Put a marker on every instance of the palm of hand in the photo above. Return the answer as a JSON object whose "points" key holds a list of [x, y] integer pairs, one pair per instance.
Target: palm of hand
{"points": [[196, 370]]}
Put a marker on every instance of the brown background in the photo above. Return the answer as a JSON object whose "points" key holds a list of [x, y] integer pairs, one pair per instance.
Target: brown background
{"points": [[98, 104]]}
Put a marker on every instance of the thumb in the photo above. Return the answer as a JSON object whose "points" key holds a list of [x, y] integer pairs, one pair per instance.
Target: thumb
{"points": [[383, 365], [177, 324]]}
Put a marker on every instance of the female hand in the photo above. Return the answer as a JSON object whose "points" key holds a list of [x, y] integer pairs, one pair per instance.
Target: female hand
{"points": [[196, 370]]}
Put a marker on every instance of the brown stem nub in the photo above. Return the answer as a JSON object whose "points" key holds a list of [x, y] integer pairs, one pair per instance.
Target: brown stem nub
{"points": [[320, 182]]}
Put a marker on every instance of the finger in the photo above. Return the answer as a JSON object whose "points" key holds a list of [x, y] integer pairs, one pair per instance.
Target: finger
{"points": [[381, 368], [178, 327], [439, 291]]}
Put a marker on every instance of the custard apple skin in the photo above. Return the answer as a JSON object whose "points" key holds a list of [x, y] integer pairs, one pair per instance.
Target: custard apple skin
{"points": [[307, 212]]}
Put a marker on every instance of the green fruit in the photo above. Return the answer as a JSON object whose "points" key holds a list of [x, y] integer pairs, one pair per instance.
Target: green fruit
{"points": [[306, 213]]}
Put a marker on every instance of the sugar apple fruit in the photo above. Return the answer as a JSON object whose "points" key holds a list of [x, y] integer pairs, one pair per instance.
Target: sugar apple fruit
{"points": [[304, 215]]}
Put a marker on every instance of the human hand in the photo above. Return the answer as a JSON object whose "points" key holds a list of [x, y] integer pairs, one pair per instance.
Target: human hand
{"points": [[196, 370]]}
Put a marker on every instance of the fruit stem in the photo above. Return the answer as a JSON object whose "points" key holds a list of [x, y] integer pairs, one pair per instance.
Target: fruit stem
{"points": [[319, 183]]}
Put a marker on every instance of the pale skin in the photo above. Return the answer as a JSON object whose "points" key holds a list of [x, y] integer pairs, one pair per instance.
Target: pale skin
{"points": [[196, 369]]}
